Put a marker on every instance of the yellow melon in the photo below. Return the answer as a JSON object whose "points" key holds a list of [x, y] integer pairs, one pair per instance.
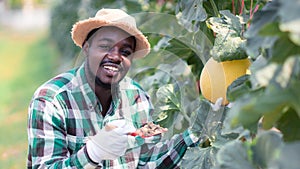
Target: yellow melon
{"points": [[217, 76]]}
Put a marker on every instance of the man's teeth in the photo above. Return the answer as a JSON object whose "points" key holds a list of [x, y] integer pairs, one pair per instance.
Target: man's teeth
{"points": [[111, 68]]}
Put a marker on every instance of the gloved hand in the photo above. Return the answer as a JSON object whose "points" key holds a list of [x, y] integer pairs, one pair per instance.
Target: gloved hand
{"points": [[110, 142]]}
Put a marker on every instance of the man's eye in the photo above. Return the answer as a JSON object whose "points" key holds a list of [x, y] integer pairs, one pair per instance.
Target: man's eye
{"points": [[126, 52], [104, 47]]}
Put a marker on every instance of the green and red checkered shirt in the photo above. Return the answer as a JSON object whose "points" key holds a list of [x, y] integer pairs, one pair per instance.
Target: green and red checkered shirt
{"points": [[65, 111]]}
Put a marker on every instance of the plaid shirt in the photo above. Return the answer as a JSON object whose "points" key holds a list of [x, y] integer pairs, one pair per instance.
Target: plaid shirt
{"points": [[65, 111]]}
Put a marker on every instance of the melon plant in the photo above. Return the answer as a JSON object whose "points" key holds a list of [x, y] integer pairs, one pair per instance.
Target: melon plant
{"points": [[241, 136]]}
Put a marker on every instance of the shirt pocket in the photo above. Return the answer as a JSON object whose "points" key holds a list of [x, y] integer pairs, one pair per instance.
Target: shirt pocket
{"points": [[75, 143]]}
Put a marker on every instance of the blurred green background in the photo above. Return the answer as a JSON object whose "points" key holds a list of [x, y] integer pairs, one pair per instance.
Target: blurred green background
{"points": [[28, 59]]}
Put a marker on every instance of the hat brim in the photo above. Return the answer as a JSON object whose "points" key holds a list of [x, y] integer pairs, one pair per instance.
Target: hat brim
{"points": [[81, 29]]}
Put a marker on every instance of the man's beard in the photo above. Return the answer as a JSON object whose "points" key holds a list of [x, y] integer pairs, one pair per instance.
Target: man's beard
{"points": [[98, 81]]}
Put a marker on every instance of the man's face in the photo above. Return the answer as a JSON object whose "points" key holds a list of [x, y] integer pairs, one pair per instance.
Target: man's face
{"points": [[109, 55]]}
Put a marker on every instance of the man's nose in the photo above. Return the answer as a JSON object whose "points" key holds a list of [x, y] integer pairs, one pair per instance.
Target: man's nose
{"points": [[114, 54]]}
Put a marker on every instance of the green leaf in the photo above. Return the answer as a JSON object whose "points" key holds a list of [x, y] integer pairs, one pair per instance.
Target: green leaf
{"points": [[280, 93], [228, 44], [208, 124], [250, 108], [190, 13], [264, 75], [168, 25], [199, 158], [132, 6], [168, 105], [228, 48], [271, 29], [284, 48], [238, 88], [255, 42], [166, 118], [227, 25], [206, 120], [183, 48], [243, 112], [289, 125], [270, 119], [290, 22], [289, 156], [169, 94], [234, 155], [266, 148]]}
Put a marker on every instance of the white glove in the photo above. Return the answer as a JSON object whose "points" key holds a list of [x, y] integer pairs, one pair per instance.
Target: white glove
{"points": [[110, 142]]}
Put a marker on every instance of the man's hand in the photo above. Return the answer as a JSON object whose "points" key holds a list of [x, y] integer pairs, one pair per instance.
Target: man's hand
{"points": [[110, 142]]}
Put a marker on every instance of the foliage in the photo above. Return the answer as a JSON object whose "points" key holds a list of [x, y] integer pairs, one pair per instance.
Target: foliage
{"points": [[15, 4], [275, 73], [62, 18], [184, 35], [19, 4]]}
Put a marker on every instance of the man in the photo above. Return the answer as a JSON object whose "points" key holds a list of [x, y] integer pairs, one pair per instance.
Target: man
{"points": [[83, 118]]}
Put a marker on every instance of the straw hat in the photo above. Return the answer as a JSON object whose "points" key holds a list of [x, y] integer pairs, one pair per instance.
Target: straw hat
{"points": [[111, 17]]}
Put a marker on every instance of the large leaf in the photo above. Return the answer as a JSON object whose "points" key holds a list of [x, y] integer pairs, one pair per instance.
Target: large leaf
{"points": [[190, 13], [208, 126], [207, 121], [188, 48], [290, 22], [289, 125], [193, 47], [228, 48], [243, 112], [234, 155], [199, 158], [258, 154], [280, 92], [288, 157], [228, 45], [238, 88], [250, 110], [284, 48], [265, 34], [255, 42], [265, 148], [227, 25], [170, 95]]}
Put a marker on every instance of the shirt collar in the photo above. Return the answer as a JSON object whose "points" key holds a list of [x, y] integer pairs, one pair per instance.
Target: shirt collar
{"points": [[85, 88], [89, 93]]}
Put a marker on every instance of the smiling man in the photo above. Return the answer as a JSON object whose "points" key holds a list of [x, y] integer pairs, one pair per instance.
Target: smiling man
{"points": [[118, 47], [84, 118], [110, 53]]}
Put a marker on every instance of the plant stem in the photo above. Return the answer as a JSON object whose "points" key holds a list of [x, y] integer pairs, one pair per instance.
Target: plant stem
{"points": [[216, 11], [233, 7], [242, 7], [187, 118]]}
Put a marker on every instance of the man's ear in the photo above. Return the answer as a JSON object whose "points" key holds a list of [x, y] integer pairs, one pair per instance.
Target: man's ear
{"points": [[85, 48]]}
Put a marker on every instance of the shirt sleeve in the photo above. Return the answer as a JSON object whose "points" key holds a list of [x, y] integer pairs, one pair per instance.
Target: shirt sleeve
{"points": [[167, 154], [47, 144]]}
